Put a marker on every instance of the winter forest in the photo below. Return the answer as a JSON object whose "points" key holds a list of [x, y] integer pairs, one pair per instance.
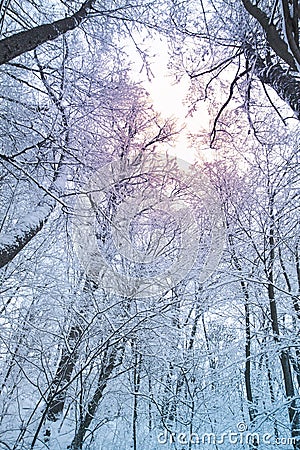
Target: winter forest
{"points": [[148, 303]]}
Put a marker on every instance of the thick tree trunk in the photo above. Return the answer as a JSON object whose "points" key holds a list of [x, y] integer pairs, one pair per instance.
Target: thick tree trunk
{"points": [[284, 83], [13, 241], [69, 357], [23, 42], [275, 41]]}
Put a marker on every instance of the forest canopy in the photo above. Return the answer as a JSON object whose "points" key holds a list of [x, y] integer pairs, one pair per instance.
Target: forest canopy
{"points": [[148, 303]]}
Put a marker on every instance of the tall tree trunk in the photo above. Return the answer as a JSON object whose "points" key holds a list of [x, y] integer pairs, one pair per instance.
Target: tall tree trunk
{"points": [[251, 406], [108, 365], [293, 409], [57, 395], [295, 361], [136, 386], [57, 392], [69, 356], [272, 393]]}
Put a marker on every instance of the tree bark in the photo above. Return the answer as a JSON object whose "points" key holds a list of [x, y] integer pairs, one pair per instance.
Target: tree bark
{"points": [[63, 374], [293, 409], [284, 83], [251, 404], [136, 384], [295, 361], [13, 241], [274, 39], [247, 374], [272, 393], [108, 365], [69, 357], [28, 40]]}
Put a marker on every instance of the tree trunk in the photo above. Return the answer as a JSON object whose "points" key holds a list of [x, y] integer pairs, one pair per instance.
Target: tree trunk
{"points": [[28, 40], [272, 393], [273, 37], [27, 228], [136, 384], [108, 365], [251, 406], [57, 395], [295, 361], [284, 84], [293, 409]]}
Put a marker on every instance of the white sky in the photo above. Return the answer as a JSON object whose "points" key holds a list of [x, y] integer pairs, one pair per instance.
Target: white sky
{"points": [[168, 99]]}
